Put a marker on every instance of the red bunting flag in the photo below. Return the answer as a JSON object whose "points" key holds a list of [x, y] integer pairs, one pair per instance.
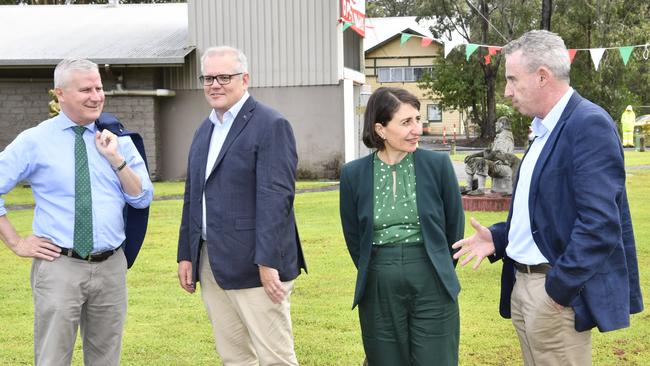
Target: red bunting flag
{"points": [[487, 59], [493, 50], [426, 41], [572, 54]]}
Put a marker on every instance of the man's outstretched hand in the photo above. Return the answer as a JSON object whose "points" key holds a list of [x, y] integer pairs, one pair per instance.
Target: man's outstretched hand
{"points": [[479, 245]]}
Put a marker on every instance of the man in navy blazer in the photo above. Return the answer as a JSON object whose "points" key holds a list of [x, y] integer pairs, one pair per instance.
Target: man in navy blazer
{"points": [[238, 233], [569, 258]]}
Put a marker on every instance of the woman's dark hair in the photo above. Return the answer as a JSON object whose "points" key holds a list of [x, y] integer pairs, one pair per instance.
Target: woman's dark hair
{"points": [[381, 108]]}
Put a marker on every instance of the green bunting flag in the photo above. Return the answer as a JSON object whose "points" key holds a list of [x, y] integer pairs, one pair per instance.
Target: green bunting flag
{"points": [[625, 53], [469, 49], [347, 25]]}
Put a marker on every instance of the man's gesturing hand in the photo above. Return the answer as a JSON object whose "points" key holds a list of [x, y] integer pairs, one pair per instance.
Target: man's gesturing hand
{"points": [[479, 245]]}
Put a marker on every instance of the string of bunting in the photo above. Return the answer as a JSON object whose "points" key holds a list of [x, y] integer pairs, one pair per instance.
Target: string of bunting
{"points": [[596, 53]]}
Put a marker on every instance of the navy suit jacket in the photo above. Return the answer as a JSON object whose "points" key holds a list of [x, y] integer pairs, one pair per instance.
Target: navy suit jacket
{"points": [[249, 197], [439, 207], [135, 219], [580, 221]]}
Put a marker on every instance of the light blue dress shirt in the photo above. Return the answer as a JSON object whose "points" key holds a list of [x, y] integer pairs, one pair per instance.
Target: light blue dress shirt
{"points": [[219, 133], [521, 245], [44, 156]]}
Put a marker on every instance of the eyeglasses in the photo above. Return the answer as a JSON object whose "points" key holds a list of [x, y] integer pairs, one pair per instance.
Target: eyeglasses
{"points": [[222, 79]]}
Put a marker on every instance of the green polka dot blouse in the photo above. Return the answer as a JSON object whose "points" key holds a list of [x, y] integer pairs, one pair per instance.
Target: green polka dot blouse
{"points": [[396, 217]]}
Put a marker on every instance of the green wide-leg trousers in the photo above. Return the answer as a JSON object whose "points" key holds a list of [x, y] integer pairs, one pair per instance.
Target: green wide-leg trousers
{"points": [[407, 317]]}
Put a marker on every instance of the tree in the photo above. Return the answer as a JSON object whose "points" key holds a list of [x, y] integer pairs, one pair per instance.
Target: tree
{"points": [[454, 85], [389, 8], [492, 22], [582, 24], [547, 13], [592, 24]]}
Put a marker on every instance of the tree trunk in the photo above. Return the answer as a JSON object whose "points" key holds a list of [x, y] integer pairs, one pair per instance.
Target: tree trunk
{"points": [[490, 82], [489, 115], [547, 12]]}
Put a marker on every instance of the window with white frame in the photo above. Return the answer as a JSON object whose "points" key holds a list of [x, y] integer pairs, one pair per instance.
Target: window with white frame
{"points": [[402, 74], [434, 114]]}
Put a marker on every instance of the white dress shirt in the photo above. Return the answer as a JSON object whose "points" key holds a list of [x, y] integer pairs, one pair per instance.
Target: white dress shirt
{"points": [[521, 245], [219, 133]]}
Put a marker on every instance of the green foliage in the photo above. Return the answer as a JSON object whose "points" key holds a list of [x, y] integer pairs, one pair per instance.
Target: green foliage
{"points": [[582, 24], [492, 22], [390, 8], [454, 84], [591, 24]]}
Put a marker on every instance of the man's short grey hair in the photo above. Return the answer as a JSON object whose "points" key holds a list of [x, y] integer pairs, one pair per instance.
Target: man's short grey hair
{"points": [[237, 54], [69, 65], [542, 48]]}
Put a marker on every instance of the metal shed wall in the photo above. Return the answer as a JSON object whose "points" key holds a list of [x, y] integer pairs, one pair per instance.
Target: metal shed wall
{"points": [[288, 42]]}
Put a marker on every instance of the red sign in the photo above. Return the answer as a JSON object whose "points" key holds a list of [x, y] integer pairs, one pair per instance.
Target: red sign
{"points": [[354, 11]]}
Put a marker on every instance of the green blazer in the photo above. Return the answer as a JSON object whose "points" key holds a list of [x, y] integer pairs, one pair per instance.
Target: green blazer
{"points": [[439, 206]]}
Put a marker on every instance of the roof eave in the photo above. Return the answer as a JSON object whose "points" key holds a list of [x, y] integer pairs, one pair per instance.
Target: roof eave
{"points": [[177, 60]]}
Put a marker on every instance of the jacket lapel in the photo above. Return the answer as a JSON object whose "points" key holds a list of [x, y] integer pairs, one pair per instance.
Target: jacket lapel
{"points": [[203, 145], [241, 120], [548, 148]]}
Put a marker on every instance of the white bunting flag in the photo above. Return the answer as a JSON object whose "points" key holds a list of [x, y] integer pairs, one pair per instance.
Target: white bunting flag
{"points": [[596, 56]]}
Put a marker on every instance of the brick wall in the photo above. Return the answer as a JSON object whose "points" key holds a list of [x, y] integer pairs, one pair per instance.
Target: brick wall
{"points": [[138, 114], [22, 105]]}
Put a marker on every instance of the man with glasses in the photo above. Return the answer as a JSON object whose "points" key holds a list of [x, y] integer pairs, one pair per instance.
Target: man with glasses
{"points": [[238, 233]]}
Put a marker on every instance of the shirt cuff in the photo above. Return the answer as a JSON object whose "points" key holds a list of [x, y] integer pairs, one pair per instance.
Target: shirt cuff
{"points": [[142, 200]]}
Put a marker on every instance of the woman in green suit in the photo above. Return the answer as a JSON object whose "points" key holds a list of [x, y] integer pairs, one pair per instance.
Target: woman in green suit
{"points": [[401, 211]]}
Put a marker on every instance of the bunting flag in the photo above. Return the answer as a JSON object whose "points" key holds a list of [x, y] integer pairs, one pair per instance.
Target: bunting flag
{"points": [[493, 50], [448, 48], [347, 25], [596, 56], [469, 49], [625, 53], [572, 54], [596, 53]]}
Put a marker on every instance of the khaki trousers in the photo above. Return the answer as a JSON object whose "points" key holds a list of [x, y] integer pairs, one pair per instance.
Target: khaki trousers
{"points": [[547, 336], [70, 294], [249, 329]]}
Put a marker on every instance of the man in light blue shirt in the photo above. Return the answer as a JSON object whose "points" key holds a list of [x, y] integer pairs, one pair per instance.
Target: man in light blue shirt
{"points": [[567, 247], [74, 288]]}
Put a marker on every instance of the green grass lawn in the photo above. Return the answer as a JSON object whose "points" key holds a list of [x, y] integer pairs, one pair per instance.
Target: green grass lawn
{"points": [[166, 326], [22, 195]]}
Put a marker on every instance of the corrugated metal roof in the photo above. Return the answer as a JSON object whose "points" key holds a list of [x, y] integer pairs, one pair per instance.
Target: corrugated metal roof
{"points": [[141, 34]]}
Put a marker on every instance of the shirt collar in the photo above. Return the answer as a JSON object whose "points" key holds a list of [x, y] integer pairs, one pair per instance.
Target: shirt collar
{"points": [[542, 126], [63, 122], [231, 113]]}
